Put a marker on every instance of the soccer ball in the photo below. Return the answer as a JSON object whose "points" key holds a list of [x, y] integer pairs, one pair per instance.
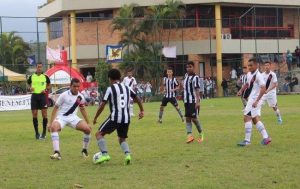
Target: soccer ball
{"points": [[96, 156]]}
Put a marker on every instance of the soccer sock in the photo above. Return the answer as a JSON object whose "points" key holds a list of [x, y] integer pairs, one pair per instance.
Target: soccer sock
{"points": [[131, 109], [261, 128], [198, 125], [125, 147], [160, 114], [188, 128], [55, 141], [35, 125], [248, 131], [86, 141], [180, 113], [278, 113], [45, 122], [102, 146]]}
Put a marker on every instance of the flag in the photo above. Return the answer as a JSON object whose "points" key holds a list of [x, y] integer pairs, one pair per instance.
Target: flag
{"points": [[113, 53], [169, 52], [53, 55], [31, 60]]}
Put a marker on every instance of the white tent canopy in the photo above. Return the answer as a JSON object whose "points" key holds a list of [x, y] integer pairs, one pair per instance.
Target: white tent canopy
{"points": [[11, 76]]}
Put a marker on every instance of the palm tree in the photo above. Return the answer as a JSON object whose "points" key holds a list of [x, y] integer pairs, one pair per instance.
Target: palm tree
{"points": [[13, 51]]}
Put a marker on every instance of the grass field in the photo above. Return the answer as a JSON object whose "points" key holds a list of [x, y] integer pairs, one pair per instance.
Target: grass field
{"points": [[161, 158]]}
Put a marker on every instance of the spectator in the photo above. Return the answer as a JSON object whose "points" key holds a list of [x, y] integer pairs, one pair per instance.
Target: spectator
{"points": [[233, 74], [297, 54], [294, 81], [1, 91], [140, 90], [289, 60], [224, 85], [148, 91], [89, 77], [86, 95], [93, 95], [209, 87]]}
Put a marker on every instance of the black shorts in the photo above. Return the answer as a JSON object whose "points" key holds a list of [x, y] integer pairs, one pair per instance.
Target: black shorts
{"points": [[39, 101], [190, 110], [166, 100], [110, 126]]}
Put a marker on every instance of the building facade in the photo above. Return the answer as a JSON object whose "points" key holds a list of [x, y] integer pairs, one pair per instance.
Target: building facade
{"points": [[217, 35]]}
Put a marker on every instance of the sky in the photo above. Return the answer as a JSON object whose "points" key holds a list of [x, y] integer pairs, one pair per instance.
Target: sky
{"points": [[26, 26]]}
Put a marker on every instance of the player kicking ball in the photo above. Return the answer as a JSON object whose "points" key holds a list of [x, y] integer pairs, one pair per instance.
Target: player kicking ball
{"points": [[191, 99], [257, 88], [170, 87], [118, 96], [270, 95], [66, 111]]}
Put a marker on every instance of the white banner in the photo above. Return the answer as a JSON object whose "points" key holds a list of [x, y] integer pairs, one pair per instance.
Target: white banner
{"points": [[53, 54], [19, 102]]}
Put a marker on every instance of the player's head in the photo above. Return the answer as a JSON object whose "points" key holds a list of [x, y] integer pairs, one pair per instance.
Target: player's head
{"points": [[169, 72], [129, 73], [39, 67], [114, 75], [267, 66], [245, 69], [190, 67], [252, 65], [75, 85]]}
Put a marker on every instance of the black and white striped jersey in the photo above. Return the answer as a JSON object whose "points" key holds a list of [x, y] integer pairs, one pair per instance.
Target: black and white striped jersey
{"points": [[170, 86], [190, 84], [118, 95], [243, 79]]}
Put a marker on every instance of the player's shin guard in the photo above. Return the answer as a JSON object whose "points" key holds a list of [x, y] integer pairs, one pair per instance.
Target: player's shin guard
{"points": [[188, 128], [160, 114], [261, 128], [248, 131], [278, 113], [86, 141], [55, 141], [180, 113], [102, 146], [198, 125], [125, 147]]}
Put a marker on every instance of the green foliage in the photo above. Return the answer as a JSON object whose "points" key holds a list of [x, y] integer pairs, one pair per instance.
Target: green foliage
{"points": [[13, 51], [160, 157], [101, 74]]}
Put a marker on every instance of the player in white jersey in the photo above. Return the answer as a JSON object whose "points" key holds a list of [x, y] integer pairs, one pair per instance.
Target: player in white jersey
{"points": [[257, 88], [65, 113], [171, 85], [130, 81], [118, 96], [271, 83]]}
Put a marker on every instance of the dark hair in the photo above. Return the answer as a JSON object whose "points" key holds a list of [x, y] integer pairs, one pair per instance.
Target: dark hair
{"points": [[114, 74], [39, 63], [170, 68], [129, 70], [267, 62], [75, 80], [190, 63], [252, 60]]}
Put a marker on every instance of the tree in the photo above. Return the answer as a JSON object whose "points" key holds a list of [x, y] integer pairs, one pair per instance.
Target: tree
{"points": [[101, 75], [13, 51]]}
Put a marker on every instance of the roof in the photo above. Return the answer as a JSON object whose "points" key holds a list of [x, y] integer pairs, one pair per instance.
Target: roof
{"points": [[10, 75]]}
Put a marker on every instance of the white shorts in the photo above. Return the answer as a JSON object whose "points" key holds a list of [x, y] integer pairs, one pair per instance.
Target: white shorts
{"points": [[271, 99], [253, 112], [70, 121]]}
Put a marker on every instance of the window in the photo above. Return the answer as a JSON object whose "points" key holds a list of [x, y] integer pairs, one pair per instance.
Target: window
{"points": [[206, 16], [56, 29], [90, 16], [138, 12], [178, 64]]}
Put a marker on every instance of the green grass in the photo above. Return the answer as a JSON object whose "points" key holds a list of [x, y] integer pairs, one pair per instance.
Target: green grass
{"points": [[161, 159]]}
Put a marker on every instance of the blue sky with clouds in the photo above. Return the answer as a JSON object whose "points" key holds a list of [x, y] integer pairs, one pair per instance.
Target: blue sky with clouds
{"points": [[26, 26]]}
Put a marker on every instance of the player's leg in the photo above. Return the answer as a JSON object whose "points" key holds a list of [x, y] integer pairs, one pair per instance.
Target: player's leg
{"points": [[175, 104], [272, 102], [247, 124], [43, 106], [84, 127], [188, 122], [164, 103], [261, 128], [122, 131], [55, 128], [34, 111]]}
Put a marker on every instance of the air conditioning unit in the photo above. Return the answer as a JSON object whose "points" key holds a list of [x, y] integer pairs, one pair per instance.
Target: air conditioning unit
{"points": [[226, 36]]}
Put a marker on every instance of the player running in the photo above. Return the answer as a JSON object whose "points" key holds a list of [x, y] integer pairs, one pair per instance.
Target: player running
{"points": [[118, 96], [170, 87], [270, 95], [257, 88]]}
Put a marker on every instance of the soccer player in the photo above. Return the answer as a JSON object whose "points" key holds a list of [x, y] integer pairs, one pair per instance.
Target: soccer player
{"points": [[270, 94], [257, 88], [243, 81], [66, 107], [191, 98], [118, 96], [130, 81], [39, 86], [170, 87]]}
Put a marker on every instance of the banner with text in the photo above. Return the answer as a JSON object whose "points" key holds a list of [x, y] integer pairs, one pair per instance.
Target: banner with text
{"points": [[19, 102]]}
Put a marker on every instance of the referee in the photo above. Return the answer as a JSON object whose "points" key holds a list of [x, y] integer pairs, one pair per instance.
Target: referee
{"points": [[39, 84]]}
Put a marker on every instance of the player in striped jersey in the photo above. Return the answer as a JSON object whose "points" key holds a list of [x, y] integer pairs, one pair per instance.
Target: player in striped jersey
{"points": [[66, 109], [170, 87], [271, 83], [130, 81], [243, 81], [257, 88], [192, 102], [118, 96]]}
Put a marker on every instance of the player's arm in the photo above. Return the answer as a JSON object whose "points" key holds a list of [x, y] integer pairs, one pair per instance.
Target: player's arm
{"points": [[139, 102], [29, 82], [244, 87], [99, 111], [273, 86], [262, 91], [197, 87], [84, 114], [48, 83]]}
